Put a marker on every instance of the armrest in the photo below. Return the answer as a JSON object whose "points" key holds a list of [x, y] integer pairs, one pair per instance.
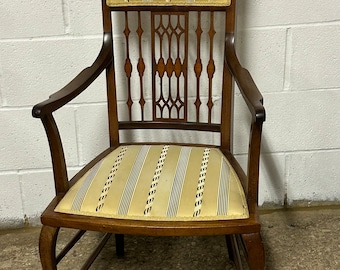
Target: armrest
{"points": [[248, 88], [44, 110], [78, 84], [254, 101]]}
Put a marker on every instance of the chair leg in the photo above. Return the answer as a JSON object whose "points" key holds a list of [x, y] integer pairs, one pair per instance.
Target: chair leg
{"points": [[47, 247], [254, 250], [234, 251], [119, 245], [229, 247]]}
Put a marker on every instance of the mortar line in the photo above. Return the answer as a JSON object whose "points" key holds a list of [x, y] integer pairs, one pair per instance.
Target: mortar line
{"points": [[66, 16], [2, 101], [25, 218], [317, 151], [288, 60], [78, 140], [294, 25], [69, 105], [36, 170], [285, 183], [61, 37]]}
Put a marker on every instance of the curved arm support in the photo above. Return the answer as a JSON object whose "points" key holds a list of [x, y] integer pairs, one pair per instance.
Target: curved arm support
{"points": [[57, 154], [248, 88], [45, 109], [79, 83], [254, 163]]}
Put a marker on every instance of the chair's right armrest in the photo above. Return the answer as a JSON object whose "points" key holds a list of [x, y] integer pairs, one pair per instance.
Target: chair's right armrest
{"points": [[79, 83], [254, 101]]}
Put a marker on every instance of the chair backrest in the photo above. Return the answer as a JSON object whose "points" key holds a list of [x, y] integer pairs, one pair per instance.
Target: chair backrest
{"points": [[168, 65]]}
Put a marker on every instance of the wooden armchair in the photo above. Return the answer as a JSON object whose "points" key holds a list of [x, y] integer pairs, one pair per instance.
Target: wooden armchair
{"points": [[175, 70]]}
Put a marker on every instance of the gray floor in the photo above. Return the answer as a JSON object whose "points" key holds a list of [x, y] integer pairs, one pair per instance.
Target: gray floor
{"points": [[294, 239]]}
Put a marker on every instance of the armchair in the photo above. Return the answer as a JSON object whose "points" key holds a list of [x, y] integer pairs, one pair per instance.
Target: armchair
{"points": [[174, 66]]}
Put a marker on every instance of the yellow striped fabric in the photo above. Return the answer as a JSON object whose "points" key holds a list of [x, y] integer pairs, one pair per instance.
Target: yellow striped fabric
{"points": [[159, 182], [117, 3]]}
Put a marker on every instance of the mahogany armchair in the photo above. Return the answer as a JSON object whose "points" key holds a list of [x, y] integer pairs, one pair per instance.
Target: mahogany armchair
{"points": [[176, 69]]}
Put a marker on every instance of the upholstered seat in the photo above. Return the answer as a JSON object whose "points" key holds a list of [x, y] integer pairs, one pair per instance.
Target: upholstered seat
{"points": [[159, 182]]}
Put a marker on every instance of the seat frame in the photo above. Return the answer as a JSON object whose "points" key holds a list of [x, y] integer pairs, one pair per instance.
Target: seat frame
{"points": [[243, 233]]}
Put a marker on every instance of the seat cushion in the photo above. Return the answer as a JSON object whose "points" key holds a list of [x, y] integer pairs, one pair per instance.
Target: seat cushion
{"points": [[115, 3], [159, 182]]}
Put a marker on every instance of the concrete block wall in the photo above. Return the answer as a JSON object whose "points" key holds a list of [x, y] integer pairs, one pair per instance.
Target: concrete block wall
{"points": [[290, 47], [292, 50]]}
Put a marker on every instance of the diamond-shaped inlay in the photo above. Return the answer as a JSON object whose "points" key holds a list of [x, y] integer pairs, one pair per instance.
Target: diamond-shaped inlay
{"points": [[211, 68], [178, 67], [141, 66], [198, 68], [161, 67], [128, 68], [169, 67]]}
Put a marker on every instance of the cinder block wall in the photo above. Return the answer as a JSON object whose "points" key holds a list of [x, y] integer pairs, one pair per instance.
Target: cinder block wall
{"points": [[292, 48]]}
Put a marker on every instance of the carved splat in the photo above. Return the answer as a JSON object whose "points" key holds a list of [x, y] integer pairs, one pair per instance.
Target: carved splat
{"points": [[169, 35], [173, 59]]}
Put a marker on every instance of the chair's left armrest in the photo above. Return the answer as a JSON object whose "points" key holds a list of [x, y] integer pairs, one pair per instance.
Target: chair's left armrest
{"points": [[78, 84], [45, 109], [245, 82]]}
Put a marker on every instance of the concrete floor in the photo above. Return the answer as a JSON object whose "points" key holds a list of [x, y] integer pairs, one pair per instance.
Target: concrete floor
{"points": [[294, 239]]}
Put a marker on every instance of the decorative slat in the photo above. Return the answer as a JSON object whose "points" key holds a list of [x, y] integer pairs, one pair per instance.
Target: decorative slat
{"points": [[169, 99], [160, 67], [198, 66], [128, 65], [211, 65], [140, 65]]}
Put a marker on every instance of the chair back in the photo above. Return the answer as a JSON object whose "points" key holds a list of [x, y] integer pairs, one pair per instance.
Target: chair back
{"points": [[168, 65]]}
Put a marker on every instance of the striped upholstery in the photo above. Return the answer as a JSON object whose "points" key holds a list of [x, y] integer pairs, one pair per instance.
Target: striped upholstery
{"points": [[159, 182], [115, 3]]}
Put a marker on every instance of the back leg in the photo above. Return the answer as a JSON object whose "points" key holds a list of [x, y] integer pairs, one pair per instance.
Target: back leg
{"points": [[234, 250], [119, 245], [229, 247]]}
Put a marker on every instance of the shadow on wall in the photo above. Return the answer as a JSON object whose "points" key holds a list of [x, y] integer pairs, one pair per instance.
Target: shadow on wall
{"points": [[272, 178]]}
